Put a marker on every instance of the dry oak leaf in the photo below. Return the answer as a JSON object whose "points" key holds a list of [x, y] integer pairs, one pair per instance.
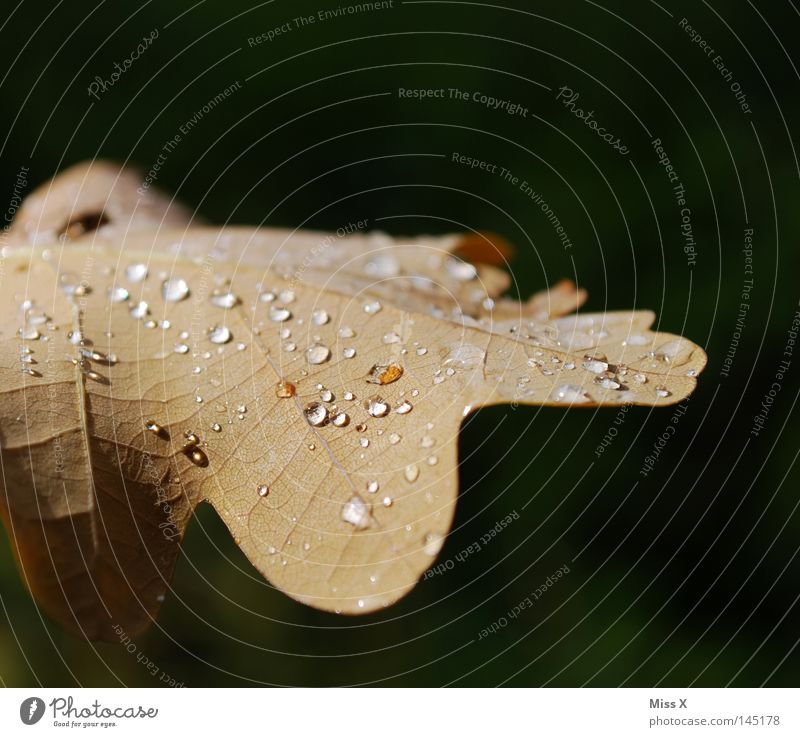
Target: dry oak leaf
{"points": [[309, 386]]}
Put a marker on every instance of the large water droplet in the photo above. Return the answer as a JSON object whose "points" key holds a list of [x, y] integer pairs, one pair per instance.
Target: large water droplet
{"points": [[315, 414], [356, 512], [225, 300], [317, 354], [174, 290], [384, 373], [219, 334]]}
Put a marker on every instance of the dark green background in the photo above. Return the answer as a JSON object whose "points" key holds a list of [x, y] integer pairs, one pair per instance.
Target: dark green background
{"points": [[693, 576]]}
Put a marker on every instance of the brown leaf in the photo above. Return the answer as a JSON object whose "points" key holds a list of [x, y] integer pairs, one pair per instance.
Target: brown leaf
{"points": [[310, 386]]}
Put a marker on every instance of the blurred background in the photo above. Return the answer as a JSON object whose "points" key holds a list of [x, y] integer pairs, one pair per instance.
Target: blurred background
{"points": [[688, 575]]}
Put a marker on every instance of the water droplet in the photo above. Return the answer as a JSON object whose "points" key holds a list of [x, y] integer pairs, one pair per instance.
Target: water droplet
{"points": [[570, 393], [340, 419], [364, 442], [279, 314], [640, 378], [349, 352], [285, 390], [346, 332], [315, 414], [140, 310], [394, 438], [287, 296], [372, 487], [181, 348], [326, 395], [263, 490], [411, 472], [460, 270], [637, 340], [356, 512], [662, 391], [29, 333], [595, 366], [216, 427], [391, 337], [224, 299], [376, 406], [136, 273], [426, 441], [421, 351], [266, 297], [320, 317], [118, 294], [372, 308], [384, 373], [317, 354], [607, 382], [174, 290], [387, 501], [219, 334], [153, 427]]}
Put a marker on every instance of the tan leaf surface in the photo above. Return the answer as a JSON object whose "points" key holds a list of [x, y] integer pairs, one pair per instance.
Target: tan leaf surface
{"points": [[309, 387]]}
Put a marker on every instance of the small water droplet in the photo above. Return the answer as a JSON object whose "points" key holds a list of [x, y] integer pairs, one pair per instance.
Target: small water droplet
{"points": [[595, 366], [136, 273], [390, 338], [263, 490], [320, 317], [285, 390], [376, 406], [225, 300], [349, 352], [118, 294], [387, 501], [279, 314], [372, 487], [317, 354], [140, 310], [662, 391], [570, 393], [346, 332], [219, 334], [411, 472], [216, 427], [181, 348], [340, 419], [287, 296], [372, 308]]}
